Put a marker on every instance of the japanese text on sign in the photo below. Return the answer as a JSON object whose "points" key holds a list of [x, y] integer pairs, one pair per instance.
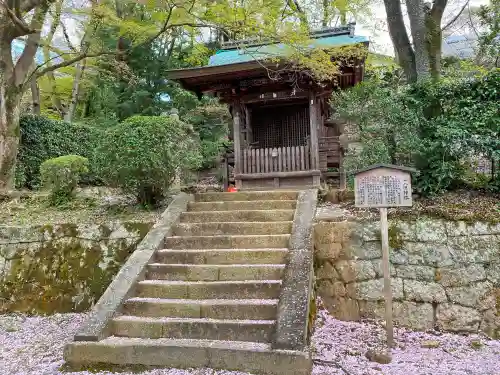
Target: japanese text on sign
{"points": [[383, 188]]}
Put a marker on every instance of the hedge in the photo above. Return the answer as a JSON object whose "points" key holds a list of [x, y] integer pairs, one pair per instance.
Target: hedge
{"points": [[43, 139]]}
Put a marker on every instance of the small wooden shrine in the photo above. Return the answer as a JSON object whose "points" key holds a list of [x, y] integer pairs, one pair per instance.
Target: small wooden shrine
{"points": [[282, 135]]}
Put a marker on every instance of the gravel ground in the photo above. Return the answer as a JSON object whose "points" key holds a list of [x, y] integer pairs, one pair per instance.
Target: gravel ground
{"points": [[34, 345]]}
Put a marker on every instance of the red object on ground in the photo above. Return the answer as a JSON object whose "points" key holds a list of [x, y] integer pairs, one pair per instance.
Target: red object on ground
{"points": [[232, 189]]}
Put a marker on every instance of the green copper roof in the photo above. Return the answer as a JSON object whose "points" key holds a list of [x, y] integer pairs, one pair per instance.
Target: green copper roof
{"points": [[234, 56]]}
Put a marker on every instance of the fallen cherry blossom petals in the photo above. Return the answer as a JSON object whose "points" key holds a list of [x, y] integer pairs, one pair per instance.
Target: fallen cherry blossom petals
{"points": [[34, 346]]}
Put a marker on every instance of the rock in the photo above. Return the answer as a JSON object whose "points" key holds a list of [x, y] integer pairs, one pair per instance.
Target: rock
{"points": [[493, 273], [399, 257], [330, 232], [360, 270], [342, 308], [327, 271], [424, 292], [369, 231], [461, 276], [450, 317], [328, 251], [490, 324], [419, 316], [379, 271], [420, 273], [427, 230], [365, 251], [332, 196], [475, 249], [381, 357], [328, 288], [476, 344], [428, 254], [469, 295], [430, 344], [373, 290]]}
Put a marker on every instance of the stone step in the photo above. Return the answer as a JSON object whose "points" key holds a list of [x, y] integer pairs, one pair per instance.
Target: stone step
{"points": [[232, 216], [223, 256], [228, 242], [256, 358], [247, 196], [192, 328], [243, 205], [242, 228], [215, 272], [254, 289], [262, 309]]}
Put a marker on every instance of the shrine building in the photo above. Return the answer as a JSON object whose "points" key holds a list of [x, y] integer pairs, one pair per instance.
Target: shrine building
{"points": [[282, 133]]}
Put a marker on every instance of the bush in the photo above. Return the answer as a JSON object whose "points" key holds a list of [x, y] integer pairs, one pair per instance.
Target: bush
{"points": [[432, 126], [142, 155], [61, 175], [42, 139], [211, 121]]}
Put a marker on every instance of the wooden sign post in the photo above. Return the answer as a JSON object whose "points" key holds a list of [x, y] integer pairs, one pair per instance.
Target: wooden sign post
{"points": [[384, 186]]}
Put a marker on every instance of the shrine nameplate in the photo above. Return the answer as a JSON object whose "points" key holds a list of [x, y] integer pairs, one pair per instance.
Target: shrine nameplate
{"points": [[383, 187]]}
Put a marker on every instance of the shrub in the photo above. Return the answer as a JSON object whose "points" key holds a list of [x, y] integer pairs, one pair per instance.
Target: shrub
{"points": [[211, 121], [142, 155], [43, 138], [61, 175], [433, 126]]}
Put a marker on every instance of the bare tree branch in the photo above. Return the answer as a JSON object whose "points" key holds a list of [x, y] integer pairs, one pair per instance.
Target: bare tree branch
{"points": [[38, 73], [66, 36], [32, 43], [456, 16], [19, 22], [472, 23], [29, 5]]}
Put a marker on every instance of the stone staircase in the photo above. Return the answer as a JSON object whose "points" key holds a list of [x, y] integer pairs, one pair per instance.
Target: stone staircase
{"points": [[210, 298]]}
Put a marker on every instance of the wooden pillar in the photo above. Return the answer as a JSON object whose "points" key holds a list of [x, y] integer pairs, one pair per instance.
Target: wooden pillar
{"points": [[237, 142], [313, 120], [248, 119]]}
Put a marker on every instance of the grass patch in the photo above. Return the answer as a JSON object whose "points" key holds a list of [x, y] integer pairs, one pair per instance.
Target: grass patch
{"points": [[34, 209], [462, 205]]}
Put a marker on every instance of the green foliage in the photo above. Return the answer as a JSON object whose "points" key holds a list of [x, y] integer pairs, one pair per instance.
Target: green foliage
{"points": [[142, 155], [42, 139], [211, 122], [436, 127], [61, 175]]}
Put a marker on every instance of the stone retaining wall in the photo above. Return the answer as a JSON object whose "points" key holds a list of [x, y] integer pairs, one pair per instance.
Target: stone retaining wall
{"points": [[63, 267], [445, 274]]}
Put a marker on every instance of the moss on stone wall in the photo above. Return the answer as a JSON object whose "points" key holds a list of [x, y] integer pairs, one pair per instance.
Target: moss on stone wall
{"points": [[66, 272], [395, 236]]}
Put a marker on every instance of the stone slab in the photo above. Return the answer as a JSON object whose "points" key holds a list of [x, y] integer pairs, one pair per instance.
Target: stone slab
{"points": [[133, 271], [223, 256], [295, 297], [246, 357]]}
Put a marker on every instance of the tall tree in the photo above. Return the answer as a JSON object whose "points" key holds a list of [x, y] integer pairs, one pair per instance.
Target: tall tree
{"points": [[419, 57], [23, 19]]}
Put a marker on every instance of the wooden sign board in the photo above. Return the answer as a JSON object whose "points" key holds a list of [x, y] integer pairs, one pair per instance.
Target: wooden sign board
{"points": [[383, 186]]}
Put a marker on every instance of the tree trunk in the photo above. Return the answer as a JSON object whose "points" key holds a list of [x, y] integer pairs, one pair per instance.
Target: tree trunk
{"points": [[417, 13], [54, 96], [400, 39], [326, 13], [10, 99], [35, 97], [75, 92], [435, 36]]}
